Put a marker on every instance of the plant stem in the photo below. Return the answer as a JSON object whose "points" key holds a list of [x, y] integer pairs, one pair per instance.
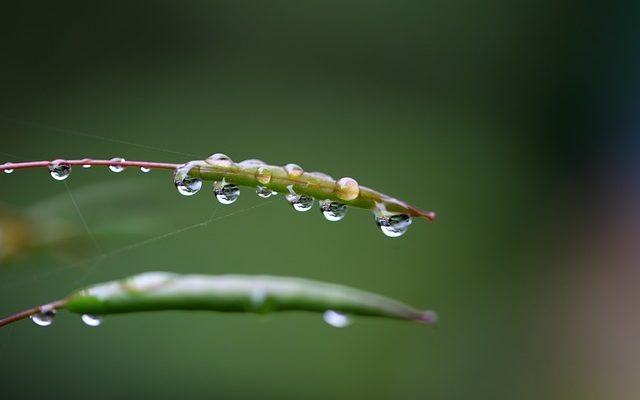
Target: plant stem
{"points": [[279, 179], [31, 311], [88, 161]]}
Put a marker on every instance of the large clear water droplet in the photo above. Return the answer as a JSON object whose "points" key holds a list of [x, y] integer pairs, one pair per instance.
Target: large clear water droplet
{"points": [[226, 193], [44, 317], [8, 171], [336, 319], [91, 320], [394, 225], [300, 202], [265, 192], [333, 211], [145, 169], [293, 170], [186, 185], [117, 168], [59, 170]]}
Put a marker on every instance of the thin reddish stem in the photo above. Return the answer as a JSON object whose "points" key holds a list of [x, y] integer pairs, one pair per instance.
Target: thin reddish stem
{"points": [[31, 311], [88, 161]]}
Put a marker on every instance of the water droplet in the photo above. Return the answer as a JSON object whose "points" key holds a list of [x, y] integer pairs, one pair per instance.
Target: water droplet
{"points": [[300, 202], [263, 175], [117, 168], [186, 185], [8, 171], [251, 163], [59, 170], [219, 159], [265, 192], [394, 225], [333, 211], [91, 320], [347, 189], [336, 319], [293, 170], [145, 169], [86, 165], [44, 317], [226, 193]]}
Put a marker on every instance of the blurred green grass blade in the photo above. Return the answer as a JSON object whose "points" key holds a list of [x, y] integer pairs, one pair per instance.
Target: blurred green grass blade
{"points": [[157, 291]]}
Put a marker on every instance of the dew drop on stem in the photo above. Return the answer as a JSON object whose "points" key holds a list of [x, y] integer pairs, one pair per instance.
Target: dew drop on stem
{"points": [[394, 225], [44, 317], [220, 160], [251, 163], [145, 169], [336, 319], [300, 202], [59, 170], [263, 175], [186, 185], [333, 211], [293, 170], [226, 193], [117, 168], [264, 192], [91, 320]]}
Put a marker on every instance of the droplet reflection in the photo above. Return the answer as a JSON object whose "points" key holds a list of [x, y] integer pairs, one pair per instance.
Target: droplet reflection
{"points": [[336, 319]]}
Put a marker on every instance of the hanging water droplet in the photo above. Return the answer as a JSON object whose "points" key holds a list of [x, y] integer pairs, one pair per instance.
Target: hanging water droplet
{"points": [[226, 193], [145, 169], [300, 202], [293, 170], [336, 319], [44, 317], [394, 225], [186, 185], [8, 171], [332, 210], [91, 320], [59, 170], [264, 192], [86, 165], [263, 175], [117, 168]]}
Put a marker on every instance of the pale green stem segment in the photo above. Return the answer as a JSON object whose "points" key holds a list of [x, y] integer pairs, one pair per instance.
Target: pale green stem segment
{"points": [[318, 185], [156, 291]]}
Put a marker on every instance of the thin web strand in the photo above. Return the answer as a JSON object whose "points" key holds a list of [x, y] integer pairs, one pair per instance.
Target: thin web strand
{"points": [[90, 135]]}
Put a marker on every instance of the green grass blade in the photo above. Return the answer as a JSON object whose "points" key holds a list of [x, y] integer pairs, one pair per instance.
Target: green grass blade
{"points": [[157, 291]]}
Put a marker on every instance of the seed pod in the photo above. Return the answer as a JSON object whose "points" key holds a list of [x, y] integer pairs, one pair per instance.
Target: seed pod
{"points": [[292, 178]]}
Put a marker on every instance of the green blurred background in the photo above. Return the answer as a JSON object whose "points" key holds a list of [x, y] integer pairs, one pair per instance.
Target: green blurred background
{"points": [[515, 121]]}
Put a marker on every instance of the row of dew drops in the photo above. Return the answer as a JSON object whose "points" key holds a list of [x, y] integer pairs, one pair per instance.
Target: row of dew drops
{"points": [[228, 193], [46, 317]]}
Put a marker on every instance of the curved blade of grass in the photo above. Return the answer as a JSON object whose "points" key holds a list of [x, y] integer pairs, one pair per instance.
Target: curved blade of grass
{"points": [[159, 291]]}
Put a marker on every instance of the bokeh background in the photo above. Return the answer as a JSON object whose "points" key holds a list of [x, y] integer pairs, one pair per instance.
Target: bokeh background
{"points": [[516, 121]]}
